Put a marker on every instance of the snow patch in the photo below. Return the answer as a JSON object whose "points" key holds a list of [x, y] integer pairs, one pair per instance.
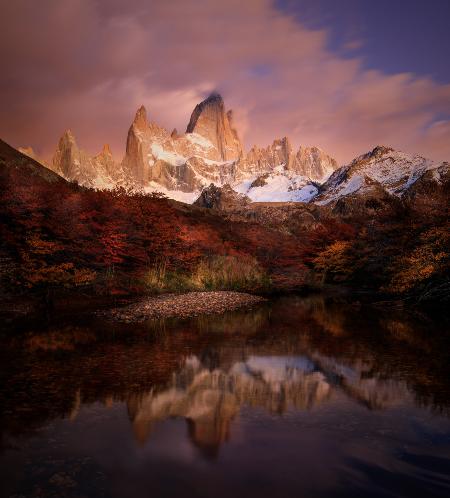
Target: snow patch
{"points": [[211, 162], [177, 195], [169, 157], [197, 139]]}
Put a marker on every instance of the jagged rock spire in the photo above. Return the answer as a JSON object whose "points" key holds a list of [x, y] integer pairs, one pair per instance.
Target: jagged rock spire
{"points": [[66, 159], [106, 150], [211, 122], [140, 119]]}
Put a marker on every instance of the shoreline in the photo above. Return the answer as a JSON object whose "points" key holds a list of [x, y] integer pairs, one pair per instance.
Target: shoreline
{"points": [[186, 305]]}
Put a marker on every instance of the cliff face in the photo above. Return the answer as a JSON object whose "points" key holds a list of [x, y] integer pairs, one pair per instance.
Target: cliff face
{"points": [[210, 121], [67, 158], [141, 135]]}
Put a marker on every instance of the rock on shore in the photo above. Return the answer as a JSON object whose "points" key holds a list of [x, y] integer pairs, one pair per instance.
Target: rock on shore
{"points": [[182, 305]]}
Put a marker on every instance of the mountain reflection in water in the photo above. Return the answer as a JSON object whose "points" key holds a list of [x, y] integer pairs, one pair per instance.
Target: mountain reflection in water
{"points": [[209, 399], [333, 394]]}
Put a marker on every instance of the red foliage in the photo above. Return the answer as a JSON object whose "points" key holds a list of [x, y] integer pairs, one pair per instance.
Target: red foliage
{"points": [[127, 233]]}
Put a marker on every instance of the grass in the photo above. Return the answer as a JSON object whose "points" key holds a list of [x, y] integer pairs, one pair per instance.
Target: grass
{"points": [[242, 273]]}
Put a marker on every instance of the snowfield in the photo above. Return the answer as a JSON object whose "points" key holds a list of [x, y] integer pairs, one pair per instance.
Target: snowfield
{"points": [[279, 188]]}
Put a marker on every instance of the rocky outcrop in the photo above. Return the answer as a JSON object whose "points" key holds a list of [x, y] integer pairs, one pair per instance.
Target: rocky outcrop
{"points": [[68, 160], [431, 191], [221, 198], [263, 160], [74, 164], [284, 217], [210, 121], [313, 163], [374, 202]]}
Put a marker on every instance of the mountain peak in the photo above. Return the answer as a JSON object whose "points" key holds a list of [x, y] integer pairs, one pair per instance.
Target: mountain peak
{"points": [[374, 154], [106, 150], [221, 198], [210, 120], [68, 135], [213, 98], [140, 119], [212, 104], [67, 140], [67, 156], [380, 150]]}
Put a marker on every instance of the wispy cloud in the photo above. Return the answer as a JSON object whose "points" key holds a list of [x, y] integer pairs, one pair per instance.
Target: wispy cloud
{"points": [[87, 64]]}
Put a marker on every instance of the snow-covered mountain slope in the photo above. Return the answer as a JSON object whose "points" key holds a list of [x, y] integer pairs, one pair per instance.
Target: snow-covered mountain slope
{"points": [[278, 186], [373, 182], [395, 172]]}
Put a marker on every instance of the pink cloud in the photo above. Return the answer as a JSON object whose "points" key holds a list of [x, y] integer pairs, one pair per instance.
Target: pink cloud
{"points": [[87, 65]]}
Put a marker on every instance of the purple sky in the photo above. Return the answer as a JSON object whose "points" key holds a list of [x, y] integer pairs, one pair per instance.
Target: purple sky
{"points": [[343, 75]]}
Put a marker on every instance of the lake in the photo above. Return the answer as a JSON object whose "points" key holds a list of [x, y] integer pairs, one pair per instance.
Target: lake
{"points": [[298, 397]]}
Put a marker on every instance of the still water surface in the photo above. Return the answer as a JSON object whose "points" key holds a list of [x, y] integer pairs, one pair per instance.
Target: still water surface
{"points": [[298, 397]]}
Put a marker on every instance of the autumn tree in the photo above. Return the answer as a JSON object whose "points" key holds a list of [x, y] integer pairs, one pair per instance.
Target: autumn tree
{"points": [[428, 260], [44, 268], [335, 262]]}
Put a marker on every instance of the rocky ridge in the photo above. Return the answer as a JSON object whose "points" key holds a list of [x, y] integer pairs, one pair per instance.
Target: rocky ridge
{"points": [[181, 165], [383, 170]]}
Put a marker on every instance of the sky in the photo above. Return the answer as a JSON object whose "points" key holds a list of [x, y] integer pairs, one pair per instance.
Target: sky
{"points": [[342, 75]]}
